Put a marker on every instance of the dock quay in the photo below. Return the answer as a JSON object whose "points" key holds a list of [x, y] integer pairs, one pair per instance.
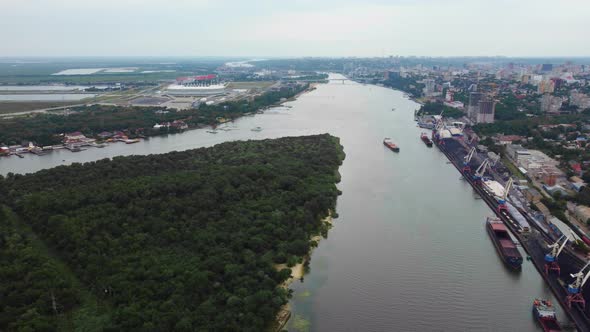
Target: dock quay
{"points": [[534, 242]]}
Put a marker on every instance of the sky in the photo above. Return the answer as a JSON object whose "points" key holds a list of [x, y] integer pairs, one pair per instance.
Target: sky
{"points": [[287, 28]]}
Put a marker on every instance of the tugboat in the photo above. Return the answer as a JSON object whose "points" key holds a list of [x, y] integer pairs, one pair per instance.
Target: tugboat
{"points": [[426, 140], [503, 242], [545, 314], [389, 143]]}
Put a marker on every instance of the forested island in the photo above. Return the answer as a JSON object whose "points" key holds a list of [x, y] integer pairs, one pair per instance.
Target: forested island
{"points": [[181, 241], [44, 129]]}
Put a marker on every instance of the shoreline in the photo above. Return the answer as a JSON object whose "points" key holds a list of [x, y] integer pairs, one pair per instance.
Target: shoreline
{"points": [[297, 273], [406, 94], [18, 153]]}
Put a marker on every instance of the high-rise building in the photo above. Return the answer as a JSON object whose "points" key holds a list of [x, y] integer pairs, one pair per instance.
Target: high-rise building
{"points": [[428, 86], [473, 106], [487, 108], [546, 86], [546, 67]]}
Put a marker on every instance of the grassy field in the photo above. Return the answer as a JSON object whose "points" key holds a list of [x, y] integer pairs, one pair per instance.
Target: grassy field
{"points": [[251, 85], [17, 107]]}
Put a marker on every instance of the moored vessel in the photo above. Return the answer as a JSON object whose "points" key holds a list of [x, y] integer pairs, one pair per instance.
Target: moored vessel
{"points": [[131, 140], [545, 314], [426, 140], [504, 244], [389, 143]]}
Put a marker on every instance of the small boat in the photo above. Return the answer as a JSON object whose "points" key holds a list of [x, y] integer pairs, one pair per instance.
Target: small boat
{"points": [[393, 109], [131, 141], [389, 143], [256, 129], [212, 131], [544, 312], [426, 140]]}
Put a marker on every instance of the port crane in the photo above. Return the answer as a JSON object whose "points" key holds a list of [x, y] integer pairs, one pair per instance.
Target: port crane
{"points": [[466, 160], [502, 200], [481, 170], [551, 257], [574, 289]]}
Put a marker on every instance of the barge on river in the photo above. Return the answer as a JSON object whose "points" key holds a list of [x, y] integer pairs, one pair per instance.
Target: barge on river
{"points": [[503, 242], [389, 143]]}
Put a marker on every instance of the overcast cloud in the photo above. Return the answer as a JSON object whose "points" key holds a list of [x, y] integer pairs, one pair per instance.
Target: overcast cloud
{"points": [[294, 28]]}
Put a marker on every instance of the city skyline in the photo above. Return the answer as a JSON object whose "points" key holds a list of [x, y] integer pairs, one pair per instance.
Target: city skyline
{"points": [[299, 28]]}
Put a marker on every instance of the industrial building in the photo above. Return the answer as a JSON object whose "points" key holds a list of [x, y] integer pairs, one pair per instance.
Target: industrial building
{"points": [[204, 85]]}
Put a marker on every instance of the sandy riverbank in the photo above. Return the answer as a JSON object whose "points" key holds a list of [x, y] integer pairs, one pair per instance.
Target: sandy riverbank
{"points": [[297, 273]]}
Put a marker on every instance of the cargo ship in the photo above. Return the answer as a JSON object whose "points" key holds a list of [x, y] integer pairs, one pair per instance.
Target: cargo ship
{"points": [[545, 314], [389, 143], [503, 242], [426, 140]]}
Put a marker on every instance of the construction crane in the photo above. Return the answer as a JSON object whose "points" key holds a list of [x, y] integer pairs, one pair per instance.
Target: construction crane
{"points": [[502, 200], [574, 289], [466, 160], [480, 171], [551, 257]]}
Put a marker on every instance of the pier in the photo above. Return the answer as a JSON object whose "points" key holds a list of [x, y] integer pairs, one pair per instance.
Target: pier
{"points": [[534, 243]]}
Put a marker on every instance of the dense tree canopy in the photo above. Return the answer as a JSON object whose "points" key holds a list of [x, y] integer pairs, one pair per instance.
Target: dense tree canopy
{"points": [[185, 240]]}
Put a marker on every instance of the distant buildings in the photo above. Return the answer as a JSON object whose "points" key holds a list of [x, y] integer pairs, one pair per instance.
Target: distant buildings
{"points": [[429, 87], [203, 85], [473, 106], [551, 104], [546, 86], [481, 108], [581, 212], [486, 111], [75, 137], [582, 101], [450, 102], [508, 139], [537, 164]]}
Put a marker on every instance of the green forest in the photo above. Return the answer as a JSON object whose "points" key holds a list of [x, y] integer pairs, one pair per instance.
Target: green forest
{"points": [[182, 241], [406, 84], [434, 108], [44, 129]]}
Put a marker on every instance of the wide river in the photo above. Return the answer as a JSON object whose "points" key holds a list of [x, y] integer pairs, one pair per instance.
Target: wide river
{"points": [[408, 251]]}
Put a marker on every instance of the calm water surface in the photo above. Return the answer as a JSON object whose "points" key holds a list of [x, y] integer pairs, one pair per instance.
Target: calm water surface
{"points": [[408, 252]]}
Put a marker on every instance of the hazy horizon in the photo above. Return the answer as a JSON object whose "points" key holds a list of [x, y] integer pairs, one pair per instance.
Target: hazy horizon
{"points": [[345, 28]]}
